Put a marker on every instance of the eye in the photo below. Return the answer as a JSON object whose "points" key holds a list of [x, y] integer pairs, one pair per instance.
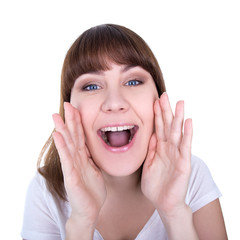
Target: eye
{"points": [[91, 87], [133, 82]]}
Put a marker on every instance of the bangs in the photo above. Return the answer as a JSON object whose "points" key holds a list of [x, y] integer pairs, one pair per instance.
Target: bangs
{"points": [[105, 43]]}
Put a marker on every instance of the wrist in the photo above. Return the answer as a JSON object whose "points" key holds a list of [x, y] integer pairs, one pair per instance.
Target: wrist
{"points": [[79, 227], [179, 223], [175, 212]]}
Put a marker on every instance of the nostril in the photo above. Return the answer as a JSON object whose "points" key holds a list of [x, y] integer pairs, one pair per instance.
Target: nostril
{"points": [[114, 107]]}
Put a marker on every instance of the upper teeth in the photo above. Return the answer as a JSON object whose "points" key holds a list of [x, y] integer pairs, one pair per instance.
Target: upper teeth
{"points": [[115, 129]]}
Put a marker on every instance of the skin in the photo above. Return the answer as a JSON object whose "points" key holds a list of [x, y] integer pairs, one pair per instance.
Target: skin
{"points": [[95, 184]]}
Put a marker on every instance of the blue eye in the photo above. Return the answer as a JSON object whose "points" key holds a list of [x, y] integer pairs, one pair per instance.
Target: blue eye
{"points": [[91, 87], [133, 82]]}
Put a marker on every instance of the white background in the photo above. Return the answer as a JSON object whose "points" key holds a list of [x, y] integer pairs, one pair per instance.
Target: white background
{"points": [[197, 44]]}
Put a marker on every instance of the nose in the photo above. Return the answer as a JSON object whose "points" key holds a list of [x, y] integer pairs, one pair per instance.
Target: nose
{"points": [[115, 102]]}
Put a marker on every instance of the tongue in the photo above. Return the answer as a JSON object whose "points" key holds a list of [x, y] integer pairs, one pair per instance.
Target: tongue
{"points": [[118, 139]]}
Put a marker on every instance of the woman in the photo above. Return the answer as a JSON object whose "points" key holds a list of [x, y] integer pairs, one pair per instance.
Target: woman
{"points": [[119, 163]]}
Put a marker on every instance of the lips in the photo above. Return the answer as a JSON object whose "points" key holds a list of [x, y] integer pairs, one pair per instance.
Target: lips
{"points": [[118, 137]]}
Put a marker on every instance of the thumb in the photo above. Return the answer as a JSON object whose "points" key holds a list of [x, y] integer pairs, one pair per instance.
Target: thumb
{"points": [[151, 150]]}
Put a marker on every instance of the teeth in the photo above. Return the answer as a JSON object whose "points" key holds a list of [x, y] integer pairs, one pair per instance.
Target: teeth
{"points": [[117, 129]]}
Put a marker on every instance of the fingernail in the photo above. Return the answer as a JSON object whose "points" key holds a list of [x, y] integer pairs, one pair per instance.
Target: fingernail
{"points": [[64, 105], [165, 94], [54, 116]]}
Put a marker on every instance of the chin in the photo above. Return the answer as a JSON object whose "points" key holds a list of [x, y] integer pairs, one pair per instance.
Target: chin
{"points": [[123, 172], [120, 165]]}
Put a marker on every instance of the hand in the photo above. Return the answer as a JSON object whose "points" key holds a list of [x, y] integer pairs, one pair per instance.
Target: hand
{"points": [[167, 167], [83, 180]]}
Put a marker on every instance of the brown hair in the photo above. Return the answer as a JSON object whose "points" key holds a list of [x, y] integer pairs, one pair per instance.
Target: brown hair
{"points": [[91, 52]]}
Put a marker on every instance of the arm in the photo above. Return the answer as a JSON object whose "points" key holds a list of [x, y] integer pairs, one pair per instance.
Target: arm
{"points": [[209, 222], [180, 225], [78, 227]]}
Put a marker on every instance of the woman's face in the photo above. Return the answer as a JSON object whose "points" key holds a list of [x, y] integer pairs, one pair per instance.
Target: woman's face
{"points": [[116, 107]]}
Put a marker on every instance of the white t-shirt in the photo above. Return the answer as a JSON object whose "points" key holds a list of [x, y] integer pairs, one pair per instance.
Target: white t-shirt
{"points": [[45, 216]]}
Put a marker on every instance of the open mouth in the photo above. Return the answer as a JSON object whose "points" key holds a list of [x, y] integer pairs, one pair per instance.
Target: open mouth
{"points": [[118, 136]]}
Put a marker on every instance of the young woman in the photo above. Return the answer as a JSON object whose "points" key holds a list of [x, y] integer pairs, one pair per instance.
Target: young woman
{"points": [[119, 163]]}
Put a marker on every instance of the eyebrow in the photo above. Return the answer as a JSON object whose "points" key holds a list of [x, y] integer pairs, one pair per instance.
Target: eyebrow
{"points": [[128, 67]]}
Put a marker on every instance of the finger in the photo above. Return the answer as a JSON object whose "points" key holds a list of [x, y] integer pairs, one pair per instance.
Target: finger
{"points": [[65, 156], [186, 144], [177, 125], [159, 125], [74, 124], [88, 152], [151, 150], [94, 165], [80, 137], [70, 121], [80, 131], [167, 113], [61, 128]]}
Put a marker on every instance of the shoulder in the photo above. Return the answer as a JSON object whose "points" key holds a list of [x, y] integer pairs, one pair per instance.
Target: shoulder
{"points": [[197, 163], [38, 192], [202, 188], [200, 170], [202, 197], [37, 187], [44, 214], [38, 199]]}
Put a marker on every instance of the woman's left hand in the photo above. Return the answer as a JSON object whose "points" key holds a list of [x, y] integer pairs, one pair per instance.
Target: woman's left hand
{"points": [[167, 167]]}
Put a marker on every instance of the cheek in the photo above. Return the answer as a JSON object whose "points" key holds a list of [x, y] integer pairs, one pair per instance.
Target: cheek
{"points": [[145, 109], [88, 116], [146, 98]]}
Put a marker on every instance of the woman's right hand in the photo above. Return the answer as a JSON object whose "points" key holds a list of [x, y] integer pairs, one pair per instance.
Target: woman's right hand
{"points": [[83, 180]]}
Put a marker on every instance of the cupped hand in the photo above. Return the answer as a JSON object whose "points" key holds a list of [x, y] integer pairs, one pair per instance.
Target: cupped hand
{"points": [[167, 167], [83, 180]]}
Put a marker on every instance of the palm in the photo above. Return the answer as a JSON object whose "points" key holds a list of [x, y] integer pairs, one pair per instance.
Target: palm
{"points": [[85, 186]]}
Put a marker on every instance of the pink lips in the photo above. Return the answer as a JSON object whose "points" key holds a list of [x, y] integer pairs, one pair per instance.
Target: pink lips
{"points": [[118, 149]]}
